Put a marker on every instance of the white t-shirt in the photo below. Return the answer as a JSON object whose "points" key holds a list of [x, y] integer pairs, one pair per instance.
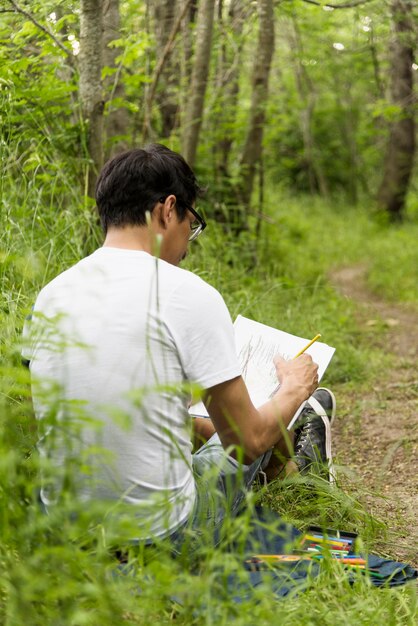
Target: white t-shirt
{"points": [[112, 342]]}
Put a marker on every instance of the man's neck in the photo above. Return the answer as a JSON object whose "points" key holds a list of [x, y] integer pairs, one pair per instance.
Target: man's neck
{"points": [[130, 238]]}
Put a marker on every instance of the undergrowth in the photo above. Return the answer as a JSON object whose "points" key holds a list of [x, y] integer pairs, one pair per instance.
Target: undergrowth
{"points": [[49, 572]]}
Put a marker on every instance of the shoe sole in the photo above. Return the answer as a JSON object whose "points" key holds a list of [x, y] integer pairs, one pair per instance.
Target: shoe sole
{"points": [[327, 420]]}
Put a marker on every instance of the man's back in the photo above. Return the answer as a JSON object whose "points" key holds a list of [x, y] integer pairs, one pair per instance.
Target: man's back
{"points": [[115, 340], [131, 330]]}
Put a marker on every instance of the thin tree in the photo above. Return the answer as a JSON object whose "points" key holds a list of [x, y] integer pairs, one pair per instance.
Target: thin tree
{"points": [[200, 73], [307, 96], [90, 84], [165, 12], [229, 64], [187, 41], [117, 119], [164, 70], [252, 151], [400, 151]]}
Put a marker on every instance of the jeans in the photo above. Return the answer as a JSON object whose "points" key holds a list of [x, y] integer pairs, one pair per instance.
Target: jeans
{"points": [[221, 487]]}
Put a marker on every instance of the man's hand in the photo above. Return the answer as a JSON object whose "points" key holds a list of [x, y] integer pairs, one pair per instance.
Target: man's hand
{"points": [[203, 429], [239, 422], [300, 375]]}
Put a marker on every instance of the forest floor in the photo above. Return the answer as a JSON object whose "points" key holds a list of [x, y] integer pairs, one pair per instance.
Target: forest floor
{"points": [[375, 435]]}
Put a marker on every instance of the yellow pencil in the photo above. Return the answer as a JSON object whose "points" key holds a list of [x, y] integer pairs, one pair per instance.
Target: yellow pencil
{"points": [[307, 346]]}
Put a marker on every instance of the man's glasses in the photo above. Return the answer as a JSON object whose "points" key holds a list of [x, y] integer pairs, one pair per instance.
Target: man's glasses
{"points": [[197, 225]]}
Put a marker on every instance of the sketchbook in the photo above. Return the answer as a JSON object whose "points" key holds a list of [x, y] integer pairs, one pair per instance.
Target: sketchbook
{"points": [[257, 345]]}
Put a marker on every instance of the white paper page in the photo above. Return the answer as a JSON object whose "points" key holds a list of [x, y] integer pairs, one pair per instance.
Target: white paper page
{"points": [[257, 345]]}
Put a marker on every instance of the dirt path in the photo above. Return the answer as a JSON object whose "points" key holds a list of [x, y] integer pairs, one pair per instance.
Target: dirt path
{"points": [[376, 435]]}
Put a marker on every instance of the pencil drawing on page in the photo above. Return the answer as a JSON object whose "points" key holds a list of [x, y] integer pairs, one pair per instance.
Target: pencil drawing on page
{"points": [[258, 370], [257, 345]]}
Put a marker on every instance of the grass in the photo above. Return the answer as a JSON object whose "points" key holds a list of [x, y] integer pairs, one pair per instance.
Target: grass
{"points": [[49, 573]]}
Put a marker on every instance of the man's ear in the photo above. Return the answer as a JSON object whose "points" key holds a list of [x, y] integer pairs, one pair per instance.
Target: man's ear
{"points": [[168, 210]]}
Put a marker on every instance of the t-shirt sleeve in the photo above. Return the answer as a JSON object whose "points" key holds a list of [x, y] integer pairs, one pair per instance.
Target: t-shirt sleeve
{"points": [[201, 327]]}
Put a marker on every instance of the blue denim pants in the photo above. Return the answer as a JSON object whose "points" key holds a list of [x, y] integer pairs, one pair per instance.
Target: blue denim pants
{"points": [[221, 487]]}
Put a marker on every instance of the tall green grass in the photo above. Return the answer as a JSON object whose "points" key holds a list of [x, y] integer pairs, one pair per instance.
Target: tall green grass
{"points": [[58, 570]]}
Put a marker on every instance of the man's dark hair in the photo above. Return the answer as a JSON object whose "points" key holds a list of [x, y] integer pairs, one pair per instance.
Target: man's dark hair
{"points": [[132, 182]]}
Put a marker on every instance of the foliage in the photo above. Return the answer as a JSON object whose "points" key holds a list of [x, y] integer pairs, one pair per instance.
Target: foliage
{"points": [[391, 278], [62, 570], [327, 116], [332, 75]]}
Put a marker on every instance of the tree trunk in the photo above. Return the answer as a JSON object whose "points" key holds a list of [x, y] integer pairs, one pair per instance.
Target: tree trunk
{"points": [[186, 64], [401, 145], [253, 144], [200, 73], [376, 64], [165, 12], [231, 18], [164, 69], [228, 71], [307, 96], [117, 120], [90, 85]]}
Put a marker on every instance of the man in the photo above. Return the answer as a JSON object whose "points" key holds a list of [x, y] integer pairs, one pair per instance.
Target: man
{"points": [[116, 342]]}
